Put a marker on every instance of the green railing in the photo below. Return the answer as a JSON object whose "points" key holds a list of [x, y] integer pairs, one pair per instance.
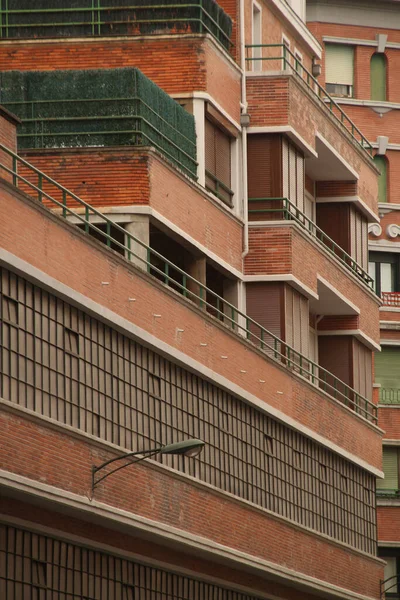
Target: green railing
{"points": [[58, 124], [27, 19], [287, 60], [220, 189], [39, 185], [389, 396], [387, 493], [289, 212]]}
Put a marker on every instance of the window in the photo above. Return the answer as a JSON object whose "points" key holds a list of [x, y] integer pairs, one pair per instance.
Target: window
{"points": [[391, 577], [387, 374], [384, 270], [339, 69], [298, 61], [293, 174], [256, 37], [382, 164], [378, 77], [218, 162], [389, 485]]}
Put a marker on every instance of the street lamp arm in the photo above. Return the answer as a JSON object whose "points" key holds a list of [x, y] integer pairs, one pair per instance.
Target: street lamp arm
{"points": [[146, 453], [189, 448]]}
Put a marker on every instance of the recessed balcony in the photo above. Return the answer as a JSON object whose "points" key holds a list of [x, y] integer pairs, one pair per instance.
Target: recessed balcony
{"points": [[277, 58], [389, 396], [277, 209], [100, 18]]}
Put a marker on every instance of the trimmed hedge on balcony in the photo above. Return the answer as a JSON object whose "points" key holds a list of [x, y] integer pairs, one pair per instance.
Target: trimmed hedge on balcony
{"points": [[105, 107]]}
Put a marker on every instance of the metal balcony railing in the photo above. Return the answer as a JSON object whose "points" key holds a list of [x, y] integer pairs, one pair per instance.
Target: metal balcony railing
{"points": [[27, 19], [286, 60], [390, 586], [180, 281], [391, 299], [104, 122], [387, 493], [282, 208], [389, 396]]}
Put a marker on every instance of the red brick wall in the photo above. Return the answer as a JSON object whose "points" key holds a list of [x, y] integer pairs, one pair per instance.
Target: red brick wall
{"points": [[190, 63], [81, 263], [341, 322], [128, 177], [129, 541], [332, 189], [281, 250], [363, 56], [54, 458], [388, 523], [389, 421]]}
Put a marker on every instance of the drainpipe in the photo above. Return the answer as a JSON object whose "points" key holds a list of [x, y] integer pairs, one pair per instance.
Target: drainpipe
{"points": [[244, 122]]}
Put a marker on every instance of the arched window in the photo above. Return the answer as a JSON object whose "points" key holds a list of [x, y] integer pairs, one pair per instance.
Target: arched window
{"points": [[378, 77], [382, 164]]}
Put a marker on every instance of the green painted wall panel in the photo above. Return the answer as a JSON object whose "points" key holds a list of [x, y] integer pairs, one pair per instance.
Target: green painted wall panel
{"points": [[381, 163], [390, 468], [378, 77]]}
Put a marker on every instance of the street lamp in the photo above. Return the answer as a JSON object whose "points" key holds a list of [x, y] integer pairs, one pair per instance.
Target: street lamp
{"points": [[189, 448]]}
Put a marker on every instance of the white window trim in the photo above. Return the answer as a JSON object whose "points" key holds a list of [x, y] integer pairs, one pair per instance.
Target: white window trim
{"points": [[256, 52], [286, 42]]}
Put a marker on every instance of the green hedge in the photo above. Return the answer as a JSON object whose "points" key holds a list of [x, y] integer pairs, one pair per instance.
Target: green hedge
{"points": [[108, 107], [62, 18]]}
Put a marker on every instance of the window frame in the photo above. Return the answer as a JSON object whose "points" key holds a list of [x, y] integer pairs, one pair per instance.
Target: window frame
{"points": [[380, 258], [213, 176], [349, 86]]}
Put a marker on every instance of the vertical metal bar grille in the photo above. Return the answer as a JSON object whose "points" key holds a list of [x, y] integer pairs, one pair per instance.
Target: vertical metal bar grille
{"points": [[62, 363], [38, 567]]}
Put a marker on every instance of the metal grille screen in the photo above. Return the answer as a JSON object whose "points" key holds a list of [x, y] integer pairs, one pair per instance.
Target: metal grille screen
{"points": [[37, 567], [62, 363]]}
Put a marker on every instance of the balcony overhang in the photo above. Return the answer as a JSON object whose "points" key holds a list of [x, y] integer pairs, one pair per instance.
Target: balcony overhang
{"points": [[330, 301], [328, 165]]}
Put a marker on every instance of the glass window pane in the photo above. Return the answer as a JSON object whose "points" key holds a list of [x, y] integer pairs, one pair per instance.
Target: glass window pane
{"points": [[387, 277], [372, 272]]}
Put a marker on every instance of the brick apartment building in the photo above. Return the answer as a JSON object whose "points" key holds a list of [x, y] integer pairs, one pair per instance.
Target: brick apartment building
{"points": [[364, 38], [184, 254]]}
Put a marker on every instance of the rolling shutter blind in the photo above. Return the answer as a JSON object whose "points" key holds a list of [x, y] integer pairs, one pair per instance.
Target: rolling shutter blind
{"points": [[362, 369], [293, 174], [378, 77], [209, 147], [218, 160], [297, 321], [387, 368], [390, 468], [359, 237], [339, 64], [380, 162]]}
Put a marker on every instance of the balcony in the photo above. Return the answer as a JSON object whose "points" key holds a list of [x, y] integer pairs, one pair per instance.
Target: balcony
{"points": [[283, 209], [45, 189], [391, 299], [99, 108], [96, 18], [389, 396], [277, 57]]}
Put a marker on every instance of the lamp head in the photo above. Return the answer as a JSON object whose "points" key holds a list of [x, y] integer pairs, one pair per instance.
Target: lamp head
{"points": [[189, 448]]}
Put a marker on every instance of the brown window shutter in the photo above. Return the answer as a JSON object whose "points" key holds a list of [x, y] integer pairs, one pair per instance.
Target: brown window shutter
{"points": [[223, 157], [210, 146], [218, 160]]}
